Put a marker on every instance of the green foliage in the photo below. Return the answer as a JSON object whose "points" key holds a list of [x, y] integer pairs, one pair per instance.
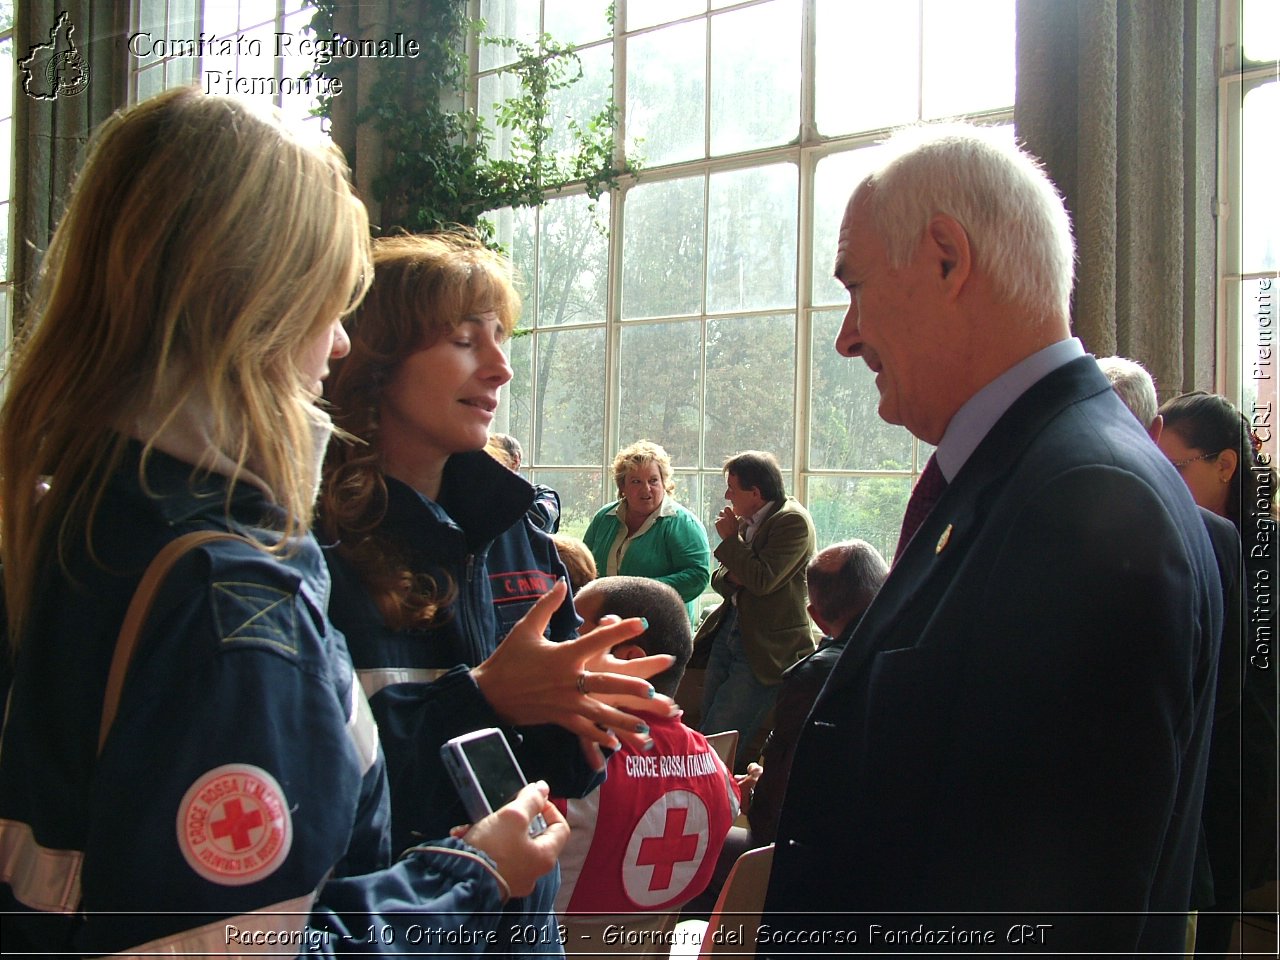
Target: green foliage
{"points": [[440, 166]]}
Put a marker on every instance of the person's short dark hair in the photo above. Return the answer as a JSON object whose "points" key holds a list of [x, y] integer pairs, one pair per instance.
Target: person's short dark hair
{"points": [[758, 469], [668, 620], [577, 559], [844, 578]]}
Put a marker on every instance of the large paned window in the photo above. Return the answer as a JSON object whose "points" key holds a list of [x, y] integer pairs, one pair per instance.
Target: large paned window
{"points": [[695, 305], [1249, 234]]}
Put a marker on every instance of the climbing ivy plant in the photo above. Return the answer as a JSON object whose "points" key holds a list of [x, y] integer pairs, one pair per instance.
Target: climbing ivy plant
{"points": [[439, 165]]}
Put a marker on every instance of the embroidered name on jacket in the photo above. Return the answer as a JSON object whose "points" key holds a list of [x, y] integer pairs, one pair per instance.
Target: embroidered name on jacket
{"points": [[514, 586]]}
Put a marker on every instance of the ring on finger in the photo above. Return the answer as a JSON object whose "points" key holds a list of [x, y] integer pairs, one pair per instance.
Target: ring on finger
{"points": [[582, 683]]}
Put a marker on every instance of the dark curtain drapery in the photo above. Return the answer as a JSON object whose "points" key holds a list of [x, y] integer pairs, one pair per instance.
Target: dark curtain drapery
{"points": [[1118, 98]]}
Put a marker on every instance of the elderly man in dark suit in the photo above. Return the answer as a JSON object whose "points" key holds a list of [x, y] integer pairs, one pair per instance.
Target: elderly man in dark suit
{"points": [[1011, 750]]}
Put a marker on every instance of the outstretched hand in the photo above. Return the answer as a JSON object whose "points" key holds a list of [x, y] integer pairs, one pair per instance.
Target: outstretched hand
{"points": [[645, 667], [531, 680]]}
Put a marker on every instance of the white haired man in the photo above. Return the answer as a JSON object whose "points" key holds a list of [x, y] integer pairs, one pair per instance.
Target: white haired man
{"points": [[1018, 726], [1136, 389]]}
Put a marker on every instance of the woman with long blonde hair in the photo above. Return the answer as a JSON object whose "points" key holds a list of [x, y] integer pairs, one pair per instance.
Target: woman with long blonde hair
{"points": [[167, 382]]}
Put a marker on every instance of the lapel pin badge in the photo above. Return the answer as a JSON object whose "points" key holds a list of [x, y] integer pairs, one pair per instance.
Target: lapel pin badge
{"points": [[944, 539]]}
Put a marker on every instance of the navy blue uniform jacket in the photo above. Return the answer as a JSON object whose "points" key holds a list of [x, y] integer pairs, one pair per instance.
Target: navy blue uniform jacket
{"points": [[1020, 722], [478, 539], [240, 710]]}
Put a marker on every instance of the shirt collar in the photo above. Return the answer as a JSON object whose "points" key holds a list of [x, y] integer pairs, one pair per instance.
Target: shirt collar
{"points": [[757, 518], [973, 421], [181, 492], [668, 508]]}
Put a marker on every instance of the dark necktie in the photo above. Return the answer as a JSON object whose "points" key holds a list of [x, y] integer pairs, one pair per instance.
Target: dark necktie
{"points": [[923, 496]]}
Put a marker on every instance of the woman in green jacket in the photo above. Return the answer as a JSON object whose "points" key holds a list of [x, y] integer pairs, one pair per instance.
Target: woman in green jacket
{"points": [[645, 533]]}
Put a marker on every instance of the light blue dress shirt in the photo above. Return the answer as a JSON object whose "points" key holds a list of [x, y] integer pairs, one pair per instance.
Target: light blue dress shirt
{"points": [[973, 421]]}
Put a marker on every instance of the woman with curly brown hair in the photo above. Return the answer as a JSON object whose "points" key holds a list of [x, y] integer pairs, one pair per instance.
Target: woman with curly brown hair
{"points": [[432, 555]]}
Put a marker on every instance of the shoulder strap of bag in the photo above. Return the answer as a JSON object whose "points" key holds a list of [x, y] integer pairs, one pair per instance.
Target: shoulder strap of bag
{"points": [[139, 609]]}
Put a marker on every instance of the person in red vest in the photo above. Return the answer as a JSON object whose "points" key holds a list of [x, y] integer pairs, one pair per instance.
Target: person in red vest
{"points": [[648, 838]]}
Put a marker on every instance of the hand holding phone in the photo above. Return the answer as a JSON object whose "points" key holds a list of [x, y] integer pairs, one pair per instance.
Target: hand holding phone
{"points": [[486, 774], [504, 837]]}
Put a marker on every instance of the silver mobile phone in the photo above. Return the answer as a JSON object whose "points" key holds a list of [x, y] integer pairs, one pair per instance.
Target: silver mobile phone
{"points": [[485, 773]]}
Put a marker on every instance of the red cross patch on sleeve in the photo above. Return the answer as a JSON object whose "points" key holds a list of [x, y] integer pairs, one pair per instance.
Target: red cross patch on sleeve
{"points": [[234, 826]]}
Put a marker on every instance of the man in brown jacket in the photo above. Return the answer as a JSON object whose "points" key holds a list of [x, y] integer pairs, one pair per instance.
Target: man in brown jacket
{"points": [[762, 627]]}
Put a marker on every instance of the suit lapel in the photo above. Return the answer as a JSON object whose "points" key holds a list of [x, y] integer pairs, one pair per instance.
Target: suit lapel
{"points": [[919, 580]]}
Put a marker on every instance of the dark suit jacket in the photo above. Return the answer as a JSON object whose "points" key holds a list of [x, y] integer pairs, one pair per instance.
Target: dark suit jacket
{"points": [[1020, 722], [773, 598], [1217, 881], [801, 685], [1240, 793]]}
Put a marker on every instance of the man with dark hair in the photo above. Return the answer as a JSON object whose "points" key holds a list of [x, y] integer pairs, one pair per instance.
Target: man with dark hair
{"points": [[843, 580], [645, 598], [1012, 746], [761, 628], [649, 837], [758, 469]]}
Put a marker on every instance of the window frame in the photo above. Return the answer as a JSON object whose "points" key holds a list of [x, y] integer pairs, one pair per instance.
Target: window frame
{"points": [[806, 151], [1236, 78], [281, 12]]}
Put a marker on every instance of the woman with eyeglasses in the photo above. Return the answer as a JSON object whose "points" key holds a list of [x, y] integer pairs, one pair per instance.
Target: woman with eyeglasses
{"points": [[1213, 446]]}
